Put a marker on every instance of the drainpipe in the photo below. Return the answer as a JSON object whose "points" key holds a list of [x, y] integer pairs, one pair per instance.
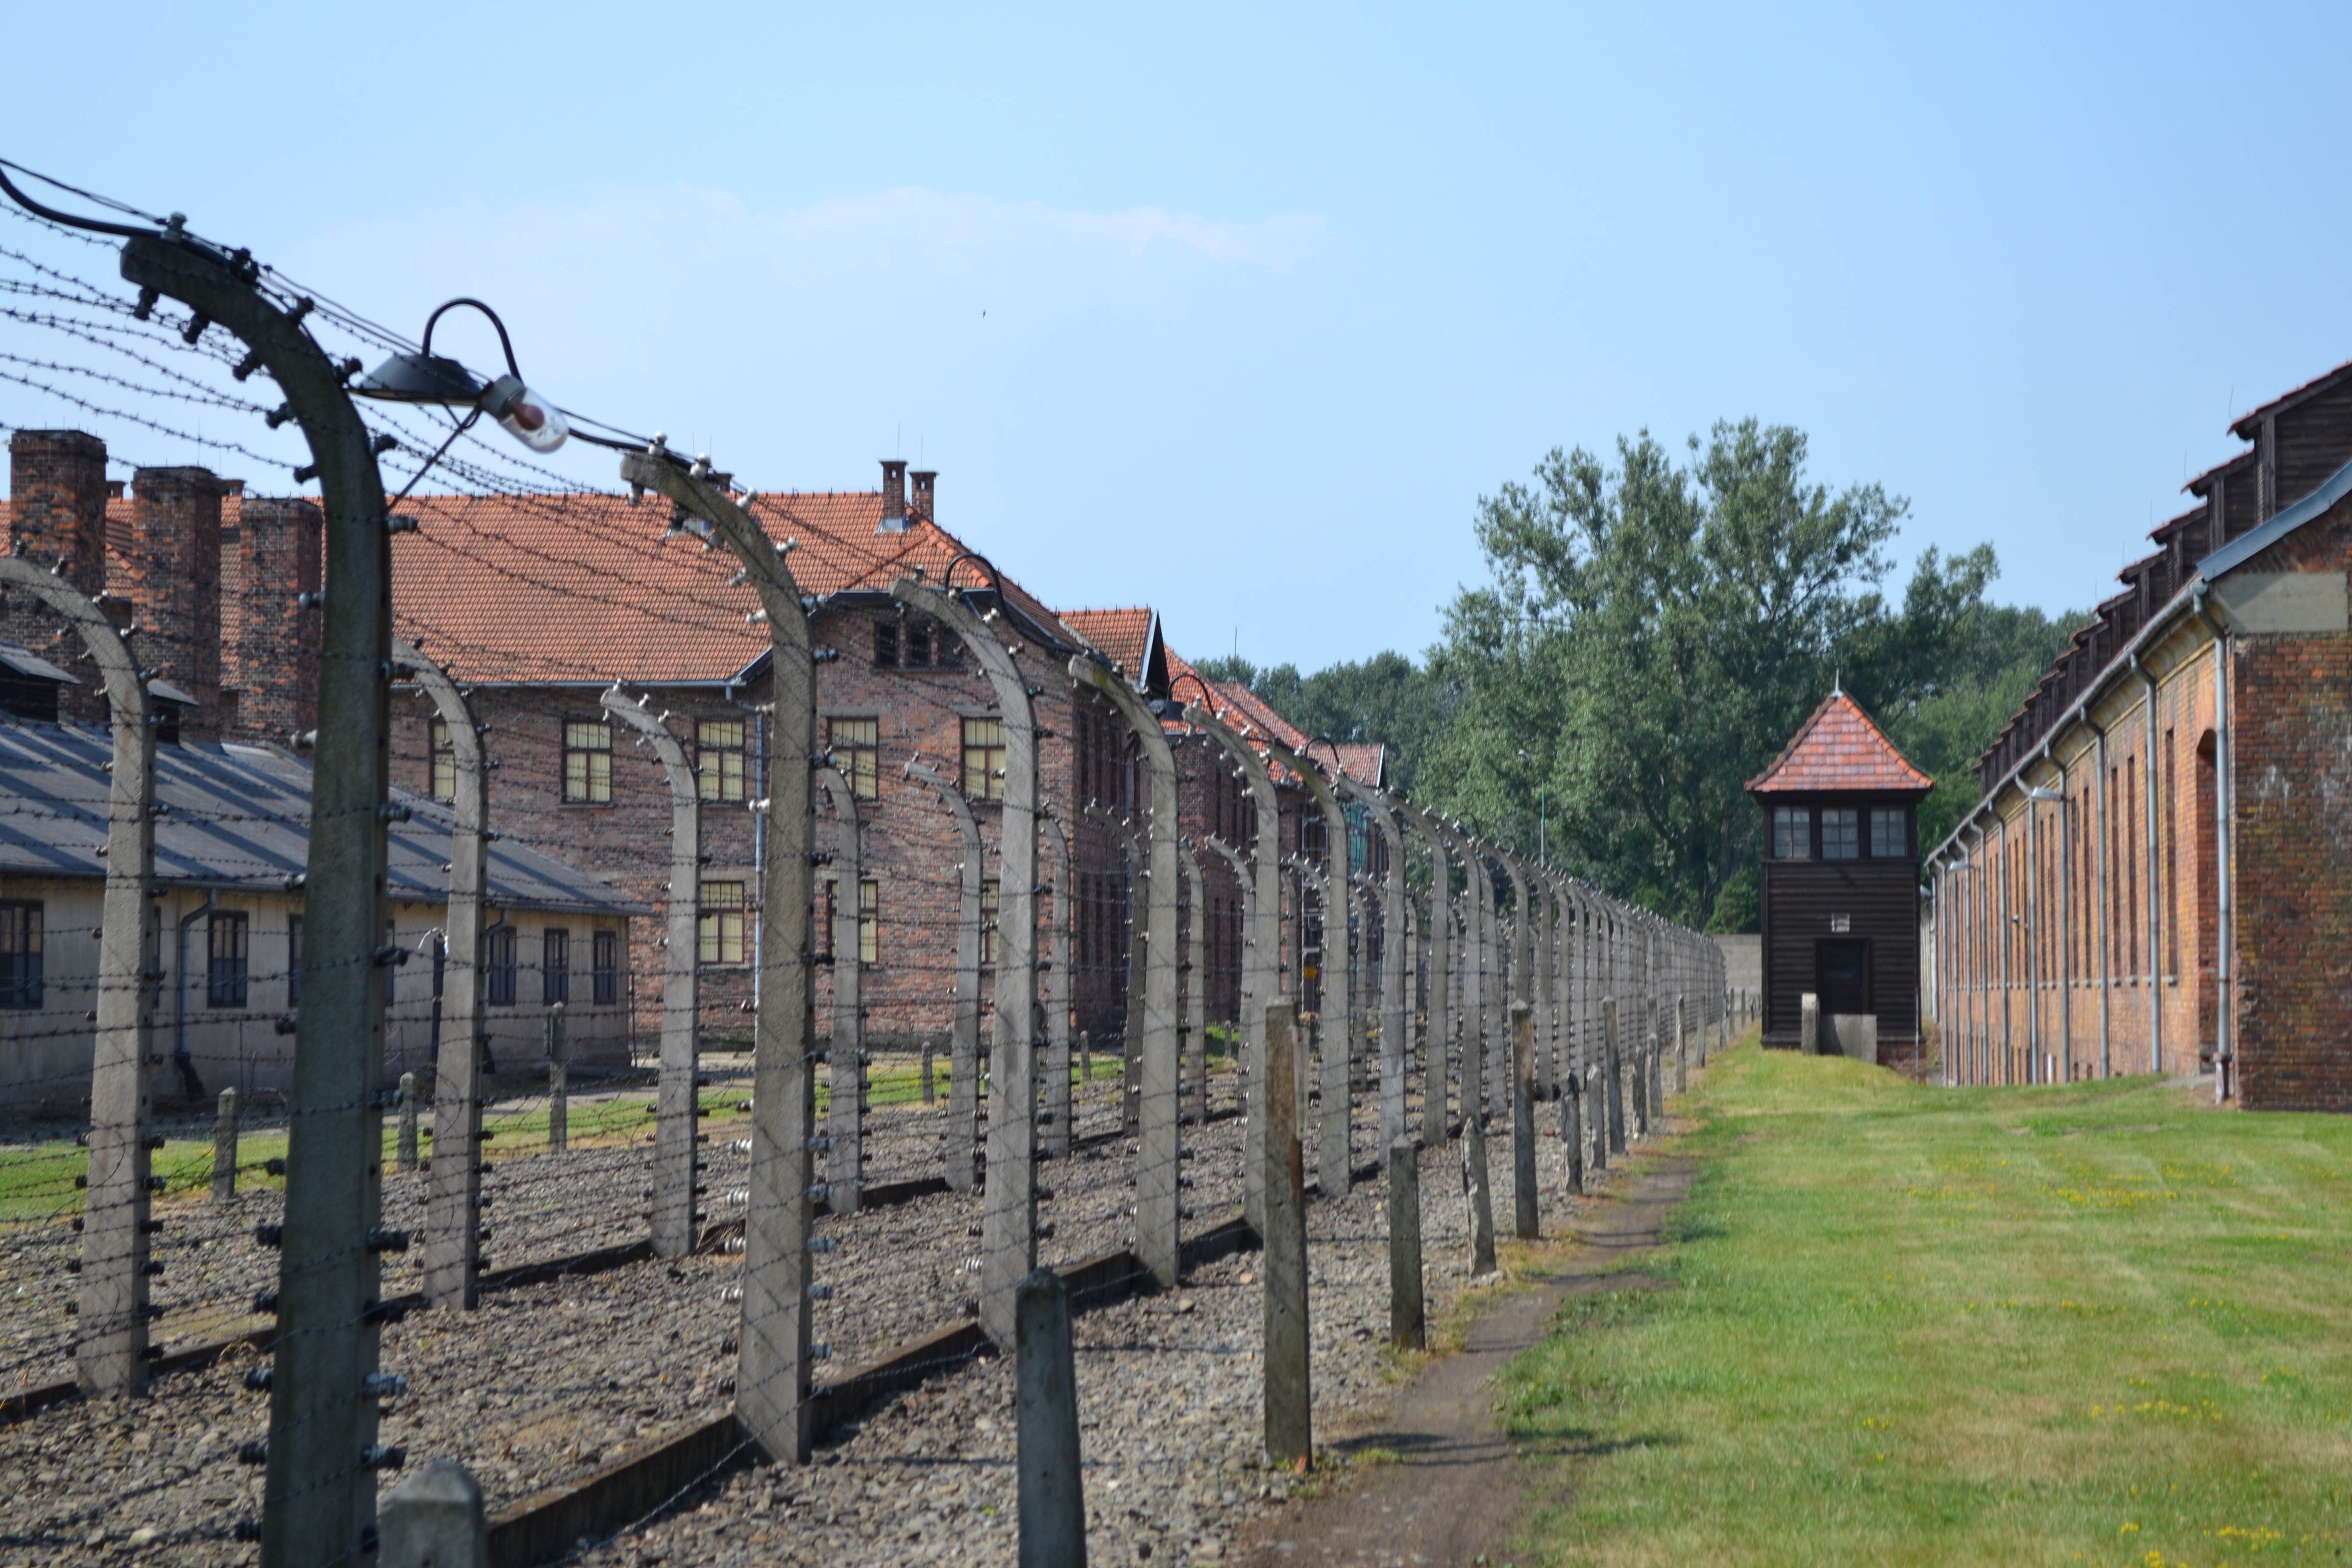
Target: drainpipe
{"points": [[180, 1058], [2225, 893], [2006, 918], [2065, 917], [2100, 932], [2148, 795]]}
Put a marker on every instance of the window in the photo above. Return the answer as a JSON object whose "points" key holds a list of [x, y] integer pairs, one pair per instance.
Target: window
{"points": [[991, 903], [499, 954], [983, 758], [226, 945], [293, 961], [914, 642], [20, 954], [555, 964], [719, 932], [607, 955], [718, 747], [1313, 838], [855, 745], [587, 762], [1792, 833], [444, 763], [1841, 834], [1888, 838], [869, 897]]}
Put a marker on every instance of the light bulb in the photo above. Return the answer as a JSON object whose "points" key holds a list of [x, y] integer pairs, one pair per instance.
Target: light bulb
{"points": [[528, 417]]}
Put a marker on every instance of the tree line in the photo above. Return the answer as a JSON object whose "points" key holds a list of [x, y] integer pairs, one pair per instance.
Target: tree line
{"points": [[1650, 635]]}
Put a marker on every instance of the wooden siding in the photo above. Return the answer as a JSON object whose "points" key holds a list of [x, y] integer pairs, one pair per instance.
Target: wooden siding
{"points": [[1883, 898]]}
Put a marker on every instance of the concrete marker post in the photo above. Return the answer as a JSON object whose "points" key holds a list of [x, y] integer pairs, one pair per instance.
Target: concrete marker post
{"points": [[1526, 1222], [225, 1148], [676, 1157], [1408, 1319], [434, 1519], [1290, 1401], [1808, 1024], [559, 1084], [1481, 1192], [405, 1155], [1051, 1493]]}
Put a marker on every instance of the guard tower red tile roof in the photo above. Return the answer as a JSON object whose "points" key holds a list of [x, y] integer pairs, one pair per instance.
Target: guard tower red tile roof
{"points": [[1839, 751]]}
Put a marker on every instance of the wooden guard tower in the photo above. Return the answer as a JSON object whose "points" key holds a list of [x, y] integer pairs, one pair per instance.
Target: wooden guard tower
{"points": [[1840, 880]]}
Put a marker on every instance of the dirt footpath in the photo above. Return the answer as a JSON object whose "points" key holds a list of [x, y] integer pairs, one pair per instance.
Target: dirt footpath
{"points": [[1459, 1489]]}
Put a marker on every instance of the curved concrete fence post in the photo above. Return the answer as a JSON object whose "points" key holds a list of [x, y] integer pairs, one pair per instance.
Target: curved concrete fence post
{"points": [[675, 1156], [111, 1357], [1339, 1034], [1056, 1073], [963, 1042], [1157, 1217], [1009, 1212], [1263, 980], [772, 1358], [844, 1122]]}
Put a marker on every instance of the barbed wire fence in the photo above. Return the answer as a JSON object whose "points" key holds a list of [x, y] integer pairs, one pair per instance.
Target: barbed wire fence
{"points": [[739, 1251]]}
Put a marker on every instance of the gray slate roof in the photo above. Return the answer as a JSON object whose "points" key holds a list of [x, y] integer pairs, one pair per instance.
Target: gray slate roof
{"points": [[239, 817]]}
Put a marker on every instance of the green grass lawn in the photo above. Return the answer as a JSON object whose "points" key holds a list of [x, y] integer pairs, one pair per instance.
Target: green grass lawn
{"points": [[2101, 1324], [36, 1180]]}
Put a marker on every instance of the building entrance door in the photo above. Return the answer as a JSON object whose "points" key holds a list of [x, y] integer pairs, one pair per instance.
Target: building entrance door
{"points": [[1842, 975]]}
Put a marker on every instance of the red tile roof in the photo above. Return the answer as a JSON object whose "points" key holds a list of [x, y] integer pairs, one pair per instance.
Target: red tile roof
{"points": [[1253, 717], [1122, 636], [1840, 750], [585, 588]]}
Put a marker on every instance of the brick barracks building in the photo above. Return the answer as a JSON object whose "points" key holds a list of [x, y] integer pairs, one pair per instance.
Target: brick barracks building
{"points": [[538, 605], [2159, 875]]}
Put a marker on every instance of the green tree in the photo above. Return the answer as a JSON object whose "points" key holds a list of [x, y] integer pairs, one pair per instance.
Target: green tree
{"points": [[1654, 632]]}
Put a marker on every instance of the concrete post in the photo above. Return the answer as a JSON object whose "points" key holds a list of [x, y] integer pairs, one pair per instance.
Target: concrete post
{"points": [[1408, 1326], [1085, 1058], [1051, 1491], [1681, 1044], [1192, 1030], [404, 1157], [1808, 1024], [1658, 1064], [1339, 1043], [225, 1148], [1009, 1212], [1138, 871], [1262, 977], [676, 1154], [963, 1043], [1523, 1120], [559, 1088], [113, 1355], [1157, 1215], [1482, 1077], [1058, 994], [1289, 1403], [772, 1359], [1548, 1008], [319, 1497], [844, 1122], [1613, 1077], [453, 1244], [1572, 1130], [434, 1519], [1481, 1192], [930, 1094], [1440, 1004], [1646, 1042], [1395, 949]]}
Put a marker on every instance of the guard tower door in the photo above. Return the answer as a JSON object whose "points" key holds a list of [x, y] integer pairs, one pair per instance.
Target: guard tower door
{"points": [[1842, 975]]}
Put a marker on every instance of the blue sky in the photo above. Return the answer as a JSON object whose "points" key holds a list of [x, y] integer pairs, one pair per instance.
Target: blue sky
{"points": [[1238, 313]]}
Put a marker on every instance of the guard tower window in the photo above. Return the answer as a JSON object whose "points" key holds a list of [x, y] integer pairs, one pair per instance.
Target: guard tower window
{"points": [[1842, 834], [1792, 833]]}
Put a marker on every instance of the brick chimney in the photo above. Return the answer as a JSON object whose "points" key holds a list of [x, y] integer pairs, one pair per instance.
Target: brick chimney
{"points": [[173, 573], [269, 664], [58, 482], [894, 496], [923, 478]]}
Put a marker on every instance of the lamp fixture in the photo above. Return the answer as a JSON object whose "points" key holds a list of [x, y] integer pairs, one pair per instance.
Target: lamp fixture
{"points": [[427, 377]]}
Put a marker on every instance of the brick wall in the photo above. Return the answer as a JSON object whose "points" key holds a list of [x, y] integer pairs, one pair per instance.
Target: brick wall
{"points": [[57, 513], [269, 660], [172, 576]]}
